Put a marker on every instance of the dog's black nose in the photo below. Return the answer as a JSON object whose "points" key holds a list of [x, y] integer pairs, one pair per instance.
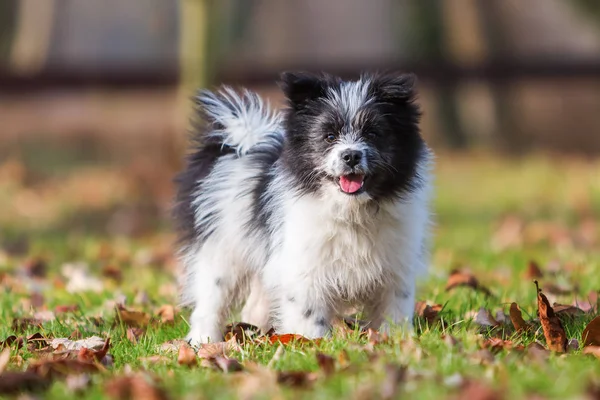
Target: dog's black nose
{"points": [[351, 157]]}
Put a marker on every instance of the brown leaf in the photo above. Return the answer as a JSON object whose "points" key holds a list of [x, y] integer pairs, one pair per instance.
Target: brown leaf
{"points": [[112, 272], [553, 329], [461, 278], [517, 318], [66, 308], [13, 383], [36, 341], [394, 376], [567, 310], [591, 333], [89, 355], [242, 331], [36, 268], [187, 356], [495, 345], [22, 324], [295, 379], [375, 338], [226, 364], [474, 390], [4, 359], [593, 350], [134, 387], [429, 312], [132, 318], [533, 271], [326, 363], [166, 313], [172, 346], [483, 317], [212, 350], [134, 334], [60, 368], [483, 356], [9, 341]]}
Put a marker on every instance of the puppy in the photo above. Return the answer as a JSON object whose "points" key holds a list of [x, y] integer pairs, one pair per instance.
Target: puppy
{"points": [[315, 209]]}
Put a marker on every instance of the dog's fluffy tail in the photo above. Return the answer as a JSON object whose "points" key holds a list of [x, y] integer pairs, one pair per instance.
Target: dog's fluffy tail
{"points": [[240, 122]]}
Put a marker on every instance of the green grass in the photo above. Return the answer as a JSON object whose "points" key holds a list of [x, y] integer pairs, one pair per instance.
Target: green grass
{"points": [[474, 194]]}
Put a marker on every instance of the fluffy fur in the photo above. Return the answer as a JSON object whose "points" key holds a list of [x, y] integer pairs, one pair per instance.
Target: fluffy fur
{"points": [[307, 212]]}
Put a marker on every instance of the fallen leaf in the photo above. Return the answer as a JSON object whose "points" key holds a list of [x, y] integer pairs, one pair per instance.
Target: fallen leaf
{"points": [[593, 350], [134, 387], [375, 337], [112, 272], [61, 309], [131, 318], [567, 310], [134, 334], [289, 338], [483, 318], [90, 355], [172, 346], [12, 383], [429, 312], [35, 267], [474, 390], [450, 341], [242, 331], [156, 359], [573, 344], [212, 350], [166, 314], [226, 364], [296, 379], [533, 271], [92, 343], [394, 376], [22, 324], [8, 341], [553, 329], [517, 318], [36, 341], [591, 333], [60, 368], [326, 363], [461, 278], [187, 356], [4, 359], [483, 356]]}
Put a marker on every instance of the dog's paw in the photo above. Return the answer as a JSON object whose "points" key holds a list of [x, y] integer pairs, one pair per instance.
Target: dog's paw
{"points": [[197, 339]]}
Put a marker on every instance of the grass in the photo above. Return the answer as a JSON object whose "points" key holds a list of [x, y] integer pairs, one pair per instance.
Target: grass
{"points": [[553, 200]]}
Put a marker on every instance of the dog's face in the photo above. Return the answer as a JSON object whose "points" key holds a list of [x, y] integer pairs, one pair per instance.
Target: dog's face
{"points": [[361, 137]]}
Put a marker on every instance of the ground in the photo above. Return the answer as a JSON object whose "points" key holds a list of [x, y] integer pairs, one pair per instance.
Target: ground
{"points": [[78, 242]]}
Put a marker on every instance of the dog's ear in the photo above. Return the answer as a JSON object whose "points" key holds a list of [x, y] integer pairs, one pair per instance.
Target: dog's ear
{"points": [[300, 87], [394, 88]]}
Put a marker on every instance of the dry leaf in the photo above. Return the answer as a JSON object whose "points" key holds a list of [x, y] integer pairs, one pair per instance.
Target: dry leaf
{"points": [[212, 350], [567, 310], [483, 356], [474, 390], [226, 364], [62, 367], [36, 268], [134, 387], [132, 318], [9, 341], [394, 375], [517, 318], [326, 363], [66, 308], [553, 329], [430, 313], [92, 343], [242, 331], [591, 333], [134, 334], [13, 383], [289, 338], [483, 317], [112, 272], [4, 359], [187, 356], [90, 355], [461, 278], [166, 314], [533, 271], [296, 379], [22, 324], [172, 346], [593, 350]]}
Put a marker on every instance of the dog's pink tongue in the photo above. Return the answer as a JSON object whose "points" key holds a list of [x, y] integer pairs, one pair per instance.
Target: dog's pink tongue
{"points": [[351, 183]]}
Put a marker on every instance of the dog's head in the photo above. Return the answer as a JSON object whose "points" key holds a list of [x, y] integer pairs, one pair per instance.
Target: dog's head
{"points": [[358, 137]]}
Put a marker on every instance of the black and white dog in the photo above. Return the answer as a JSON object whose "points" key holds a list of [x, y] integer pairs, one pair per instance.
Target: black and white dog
{"points": [[305, 213]]}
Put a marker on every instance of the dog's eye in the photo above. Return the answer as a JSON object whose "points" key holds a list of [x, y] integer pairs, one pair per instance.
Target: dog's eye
{"points": [[330, 138], [372, 134]]}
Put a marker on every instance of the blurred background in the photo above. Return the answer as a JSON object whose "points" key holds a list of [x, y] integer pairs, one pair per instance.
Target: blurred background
{"points": [[95, 95]]}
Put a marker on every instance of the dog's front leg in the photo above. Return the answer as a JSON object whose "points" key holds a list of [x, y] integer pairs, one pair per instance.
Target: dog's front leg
{"points": [[394, 306], [301, 310]]}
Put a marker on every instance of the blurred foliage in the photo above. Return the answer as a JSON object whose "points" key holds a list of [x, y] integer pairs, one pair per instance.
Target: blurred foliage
{"points": [[8, 13]]}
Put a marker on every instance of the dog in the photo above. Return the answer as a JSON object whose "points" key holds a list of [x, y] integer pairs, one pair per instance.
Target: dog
{"points": [[306, 212]]}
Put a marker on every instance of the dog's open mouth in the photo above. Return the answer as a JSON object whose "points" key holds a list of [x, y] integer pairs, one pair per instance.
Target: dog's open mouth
{"points": [[352, 184]]}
